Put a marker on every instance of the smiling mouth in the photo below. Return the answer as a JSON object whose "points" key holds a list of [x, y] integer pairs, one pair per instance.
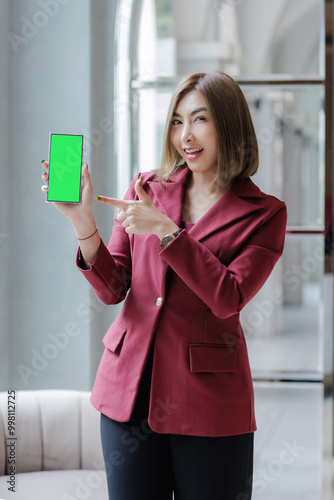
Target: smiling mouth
{"points": [[193, 152]]}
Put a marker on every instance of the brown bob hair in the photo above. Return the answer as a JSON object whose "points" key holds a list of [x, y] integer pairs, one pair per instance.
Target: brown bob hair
{"points": [[238, 153]]}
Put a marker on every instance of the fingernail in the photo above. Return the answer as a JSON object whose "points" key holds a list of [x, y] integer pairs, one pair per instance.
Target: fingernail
{"points": [[86, 165], [97, 197], [42, 161], [45, 188], [140, 181]]}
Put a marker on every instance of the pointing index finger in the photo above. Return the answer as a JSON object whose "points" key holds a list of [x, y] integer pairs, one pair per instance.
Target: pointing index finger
{"points": [[114, 202]]}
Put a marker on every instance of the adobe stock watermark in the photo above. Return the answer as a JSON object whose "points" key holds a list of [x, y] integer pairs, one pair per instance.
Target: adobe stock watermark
{"points": [[263, 477], [121, 106], [59, 341], [31, 27], [130, 441], [72, 160], [292, 278], [266, 476], [40, 359]]}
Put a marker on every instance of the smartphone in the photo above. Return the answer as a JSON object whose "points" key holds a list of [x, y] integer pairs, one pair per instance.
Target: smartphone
{"points": [[65, 162]]}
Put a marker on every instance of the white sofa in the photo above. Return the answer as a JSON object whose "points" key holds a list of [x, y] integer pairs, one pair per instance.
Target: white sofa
{"points": [[57, 450]]}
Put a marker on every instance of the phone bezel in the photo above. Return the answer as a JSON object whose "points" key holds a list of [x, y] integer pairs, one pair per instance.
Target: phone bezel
{"points": [[82, 153]]}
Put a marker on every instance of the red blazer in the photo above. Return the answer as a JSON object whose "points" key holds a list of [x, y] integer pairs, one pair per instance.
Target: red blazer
{"points": [[189, 296]]}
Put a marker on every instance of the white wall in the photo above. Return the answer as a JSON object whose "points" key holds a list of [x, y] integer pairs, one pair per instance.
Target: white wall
{"points": [[57, 79]]}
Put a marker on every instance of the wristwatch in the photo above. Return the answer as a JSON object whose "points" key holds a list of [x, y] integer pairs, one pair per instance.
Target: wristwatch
{"points": [[168, 238]]}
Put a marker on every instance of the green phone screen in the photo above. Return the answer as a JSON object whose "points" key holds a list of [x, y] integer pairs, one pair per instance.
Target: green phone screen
{"points": [[65, 168]]}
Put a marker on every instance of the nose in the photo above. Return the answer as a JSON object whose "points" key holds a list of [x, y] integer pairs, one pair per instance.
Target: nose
{"points": [[187, 135]]}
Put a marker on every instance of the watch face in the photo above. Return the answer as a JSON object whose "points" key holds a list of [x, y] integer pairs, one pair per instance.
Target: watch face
{"points": [[165, 240], [168, 238]]}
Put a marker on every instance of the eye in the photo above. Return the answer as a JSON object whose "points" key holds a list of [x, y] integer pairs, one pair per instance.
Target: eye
{"points": [[201, 118], [176, 122]]}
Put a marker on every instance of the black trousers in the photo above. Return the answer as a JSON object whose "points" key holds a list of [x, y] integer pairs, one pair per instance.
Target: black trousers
{"points": [[143, 465]]}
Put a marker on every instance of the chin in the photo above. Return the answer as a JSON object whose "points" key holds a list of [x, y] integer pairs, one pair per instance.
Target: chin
{"points": [[197, 168]]}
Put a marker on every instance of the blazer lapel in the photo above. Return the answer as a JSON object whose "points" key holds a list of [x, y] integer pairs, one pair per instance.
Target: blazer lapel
{"points": [[234, 205], [230, 208]]}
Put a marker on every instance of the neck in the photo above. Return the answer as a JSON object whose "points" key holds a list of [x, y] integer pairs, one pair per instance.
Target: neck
{"points": [[202, 182]]}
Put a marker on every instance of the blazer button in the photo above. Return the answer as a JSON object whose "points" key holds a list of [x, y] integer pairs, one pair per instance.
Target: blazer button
{"points": [[158, 301]]}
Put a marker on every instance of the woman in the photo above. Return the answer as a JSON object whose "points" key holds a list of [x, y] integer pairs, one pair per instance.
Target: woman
{"points": [[192, 243]]}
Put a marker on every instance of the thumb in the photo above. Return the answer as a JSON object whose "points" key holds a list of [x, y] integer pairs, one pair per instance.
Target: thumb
{"points": [[140, 191], [85, 172], [86, 181]]}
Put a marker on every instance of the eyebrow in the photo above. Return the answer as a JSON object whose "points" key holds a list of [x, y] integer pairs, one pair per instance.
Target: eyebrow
{"points": [[198, 110]]}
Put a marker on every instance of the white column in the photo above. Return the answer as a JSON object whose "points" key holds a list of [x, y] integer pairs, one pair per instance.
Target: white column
{"points": [[48, 50], [4, 194]]}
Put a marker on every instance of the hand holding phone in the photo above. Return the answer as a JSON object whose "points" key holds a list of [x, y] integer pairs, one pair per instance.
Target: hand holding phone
{"points": [[80, 215], [65, 162]]}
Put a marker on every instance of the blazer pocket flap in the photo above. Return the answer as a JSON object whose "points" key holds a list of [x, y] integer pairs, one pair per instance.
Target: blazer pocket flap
{"points": [[114, 336], [212, 358]]}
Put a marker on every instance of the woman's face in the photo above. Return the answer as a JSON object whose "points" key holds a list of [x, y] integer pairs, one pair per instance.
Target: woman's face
{"points": [[193, 134]]}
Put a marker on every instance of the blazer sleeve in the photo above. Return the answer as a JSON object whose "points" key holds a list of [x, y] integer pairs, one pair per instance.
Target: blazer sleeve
{"points": [[227, 289], [110, 273]]}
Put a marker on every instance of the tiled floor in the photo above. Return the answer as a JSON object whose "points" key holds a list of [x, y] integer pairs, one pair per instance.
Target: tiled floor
{"points": [[293, 443]]}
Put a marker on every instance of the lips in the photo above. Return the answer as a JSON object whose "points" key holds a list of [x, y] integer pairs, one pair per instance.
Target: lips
{"points": [[194, 153], [193, 150]]}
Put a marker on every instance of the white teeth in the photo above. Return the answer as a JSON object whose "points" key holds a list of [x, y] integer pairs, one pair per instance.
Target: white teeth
{"points": [[192, 150]]}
